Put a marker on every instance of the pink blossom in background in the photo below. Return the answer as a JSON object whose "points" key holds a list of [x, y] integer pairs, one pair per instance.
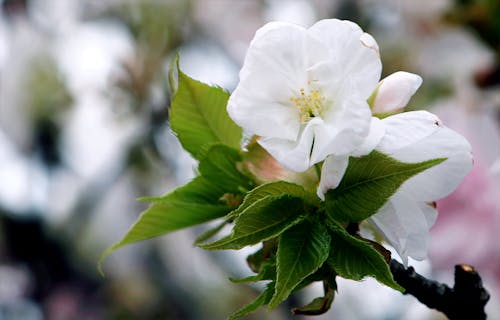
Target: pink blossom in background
{"points": [[468, 225]]}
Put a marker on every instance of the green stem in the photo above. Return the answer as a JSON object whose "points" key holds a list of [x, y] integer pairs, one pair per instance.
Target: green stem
{"points": [[317, 167]]}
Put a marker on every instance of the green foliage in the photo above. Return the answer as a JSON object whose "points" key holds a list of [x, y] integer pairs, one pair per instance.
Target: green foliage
{"points": [[354, 258], [197, 202], [301, 251], [49, 95], [219, 166], [210, 233], [263, 220], [261, 300], [317, 306], [198, 115], [368, 183], [276, 189], [267, 272]]}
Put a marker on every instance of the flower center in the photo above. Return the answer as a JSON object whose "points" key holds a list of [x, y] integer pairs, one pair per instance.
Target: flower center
{"points": [[310, 105]]}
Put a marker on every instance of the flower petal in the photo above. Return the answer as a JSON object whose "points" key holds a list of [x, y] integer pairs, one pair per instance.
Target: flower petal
{"points": [[293, 155], [425, 138], [344, 131], [395, 91], [404, 226], [274, 70], [405, 129], [352, 50], [331, 174], [261, 116], [376, 133]]}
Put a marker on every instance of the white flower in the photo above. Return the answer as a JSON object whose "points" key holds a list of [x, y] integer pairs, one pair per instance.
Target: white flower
{"points": [[394, 91], [304, 91], [405, 220], [412, 137]]}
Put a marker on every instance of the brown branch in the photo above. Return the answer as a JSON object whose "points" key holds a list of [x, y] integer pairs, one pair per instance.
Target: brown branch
{"points": [[466, 300]]}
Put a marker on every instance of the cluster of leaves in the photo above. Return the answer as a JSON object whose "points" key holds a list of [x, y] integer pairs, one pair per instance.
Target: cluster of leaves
{"points": [[303, 238]]}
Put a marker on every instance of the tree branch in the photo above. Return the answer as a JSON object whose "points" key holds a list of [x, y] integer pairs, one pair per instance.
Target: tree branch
{"points": [[466, 300]]}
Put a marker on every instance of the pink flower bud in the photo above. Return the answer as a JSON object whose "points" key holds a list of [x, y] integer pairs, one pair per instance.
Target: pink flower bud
{"points": [[395, 91]]}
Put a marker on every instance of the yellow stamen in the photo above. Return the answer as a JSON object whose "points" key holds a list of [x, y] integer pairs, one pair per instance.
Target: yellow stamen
{"points": [[310, 105]]}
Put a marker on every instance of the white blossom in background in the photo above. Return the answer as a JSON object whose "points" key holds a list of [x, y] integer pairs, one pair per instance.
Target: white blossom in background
{"points": [[405, 219], [305, 91]]}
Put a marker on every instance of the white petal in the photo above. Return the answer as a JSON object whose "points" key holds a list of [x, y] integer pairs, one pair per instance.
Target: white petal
{"points": [[352, 50], [430, 212], [395, 91], [274, 70], [368, 41], [404, 226], [405, 129], [273, 25], [293, 155], [419, 136], [331, 174], [261, 116], [389, 225], [344, 131], [376, 133], [439, 181]]}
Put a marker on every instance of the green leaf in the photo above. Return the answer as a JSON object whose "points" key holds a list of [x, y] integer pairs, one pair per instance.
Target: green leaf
{"points": [[197, 202], [276, 189], [368, 183], [173, 74], [324, 273], [263, 220], [210, 233], [267, 272], [198, 115], [317, 306], [194, 203], [261, 300], [257, 260], [219, 165], [352, 258], [301, 251]]}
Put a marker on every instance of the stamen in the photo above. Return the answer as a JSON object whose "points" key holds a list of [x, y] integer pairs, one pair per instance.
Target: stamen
{"points": [[310, 105]]}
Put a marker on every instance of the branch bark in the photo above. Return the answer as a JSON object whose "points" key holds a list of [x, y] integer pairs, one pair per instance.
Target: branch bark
{"points": [[466, 300]]}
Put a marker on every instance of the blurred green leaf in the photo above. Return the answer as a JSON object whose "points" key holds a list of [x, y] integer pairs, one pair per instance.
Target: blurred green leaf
{"points": [[352, 258], [302, 249], [48, 94], [198, 115], [368, 183]]}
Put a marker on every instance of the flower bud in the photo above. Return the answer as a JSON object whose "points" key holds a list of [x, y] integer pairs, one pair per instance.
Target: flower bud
{"points": [[394, 92]]}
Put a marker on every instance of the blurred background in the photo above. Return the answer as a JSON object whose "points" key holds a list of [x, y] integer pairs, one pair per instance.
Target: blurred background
{"points": [[84, 131]]}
